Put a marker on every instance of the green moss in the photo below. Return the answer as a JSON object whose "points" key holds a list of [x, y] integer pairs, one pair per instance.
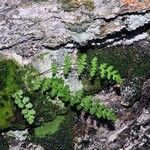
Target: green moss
{"points": [[128, 60], [49, 128], [6, 114], [70, 5], [62, 139], [45, 110], [9, 79], [91, 87]]}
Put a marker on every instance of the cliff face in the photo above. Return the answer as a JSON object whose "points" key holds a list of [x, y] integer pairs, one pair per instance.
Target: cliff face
{"points": [[53, 24], [57, 27]]}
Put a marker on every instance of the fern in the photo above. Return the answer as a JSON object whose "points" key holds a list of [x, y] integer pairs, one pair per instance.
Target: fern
{"points": [[86, 103], [36, 83], [81, 64], [54, 69], [67, 65], [46, 84], [93, 69], [24, 104], [103, 70], [110, 73]]}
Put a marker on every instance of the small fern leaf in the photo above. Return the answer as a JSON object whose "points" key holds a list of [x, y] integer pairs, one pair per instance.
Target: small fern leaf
{"points": [[54, 69], [93, 69], [67, 65], [81, 64], [103, 70], [109, 72]]}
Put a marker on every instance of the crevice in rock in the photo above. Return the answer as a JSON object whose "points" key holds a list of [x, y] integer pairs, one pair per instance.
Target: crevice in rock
{"points": [[122, 15], [58, 46], [117, 36], [16, 44]]}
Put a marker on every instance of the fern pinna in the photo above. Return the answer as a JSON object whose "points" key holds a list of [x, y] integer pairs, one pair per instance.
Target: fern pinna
{"points": [[81, 64], [109, 73], [94, 67]]}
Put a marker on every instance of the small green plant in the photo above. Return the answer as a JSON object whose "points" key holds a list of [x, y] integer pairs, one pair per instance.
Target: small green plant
{"points": [[55, 89], [94, 67], [87, 104], [67, 65], [109, 73], [81, 64], [24, 104], [49, 128], [54, 69], [36, 83]]}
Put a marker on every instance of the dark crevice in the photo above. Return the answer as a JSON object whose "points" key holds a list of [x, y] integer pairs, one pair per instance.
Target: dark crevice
{"points": [[58, 46], [122, 15], [16, 44], [117, 36]]}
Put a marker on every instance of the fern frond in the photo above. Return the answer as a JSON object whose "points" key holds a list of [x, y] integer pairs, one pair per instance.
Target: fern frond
{"points": [[81, 64], [93, 69], [54, 69], [103, 70], [110, 73], [67, 65]]}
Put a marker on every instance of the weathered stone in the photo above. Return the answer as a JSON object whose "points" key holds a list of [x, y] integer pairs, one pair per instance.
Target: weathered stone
{"points": [[47, 24], [131, 91], [43, 63]]}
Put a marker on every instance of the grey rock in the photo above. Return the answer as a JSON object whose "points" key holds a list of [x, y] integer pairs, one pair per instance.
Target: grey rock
{"points": [[131, 91], [44, 61], [146, 90], [49, 25]]}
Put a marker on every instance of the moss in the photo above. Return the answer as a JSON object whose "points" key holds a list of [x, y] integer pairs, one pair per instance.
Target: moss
{"points": [[49, 128], [45, 110], [62, 139], [70, 5], [6, 114], [128, 60], [91, 87], [9, 83], [9, 79]]}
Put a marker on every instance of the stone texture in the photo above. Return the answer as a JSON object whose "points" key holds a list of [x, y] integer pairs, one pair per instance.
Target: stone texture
{"points": [[130, 132], [27, 26]]}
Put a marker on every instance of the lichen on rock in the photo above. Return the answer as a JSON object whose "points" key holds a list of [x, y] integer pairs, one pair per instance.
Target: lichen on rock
{"points": [[70, 5]]}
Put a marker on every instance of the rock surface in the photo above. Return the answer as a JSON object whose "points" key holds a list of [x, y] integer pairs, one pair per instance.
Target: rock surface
{"points": [[27, 27], [130, 132]]}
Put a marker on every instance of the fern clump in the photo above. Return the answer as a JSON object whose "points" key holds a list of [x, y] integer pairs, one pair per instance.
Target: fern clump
{"points": [[94, 67], [81, 64], [54, 89], [24, 104], [36, 83], [87, 104], [67, 65]]}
